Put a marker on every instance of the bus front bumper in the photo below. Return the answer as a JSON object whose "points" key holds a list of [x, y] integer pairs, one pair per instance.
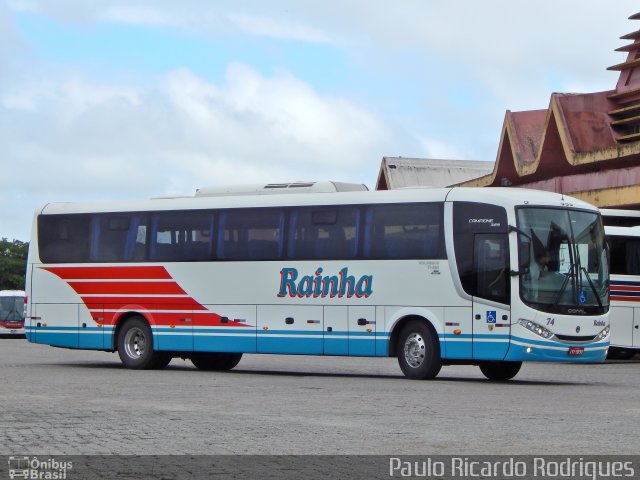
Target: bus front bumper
{"points": [[526, 350]]}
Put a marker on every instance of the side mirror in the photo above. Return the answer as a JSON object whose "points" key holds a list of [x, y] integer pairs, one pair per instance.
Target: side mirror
{"points": [[524, 254], [524, 251]]}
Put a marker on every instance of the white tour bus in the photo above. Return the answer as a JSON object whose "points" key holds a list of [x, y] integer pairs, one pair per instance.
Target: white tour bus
{"points": [[491, 277], [623, 239], [624, 244], [11, 313]]}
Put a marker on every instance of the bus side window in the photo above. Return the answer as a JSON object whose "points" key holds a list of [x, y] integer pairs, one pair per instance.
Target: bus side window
{"points": [[181, 236], [625, 255], [483, 268], [323, 233], [404, 231], [250, 234], [117, 238], [632, 256]]}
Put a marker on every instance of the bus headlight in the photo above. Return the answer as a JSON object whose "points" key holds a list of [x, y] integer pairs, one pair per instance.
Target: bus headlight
{"points": [[603, 334], [535, 328]]}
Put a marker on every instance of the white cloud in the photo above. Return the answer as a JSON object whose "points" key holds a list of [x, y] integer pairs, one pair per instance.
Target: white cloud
{"points": [[278, 28], [78, 139], [506, 46], [437, 149], [278, 115]]}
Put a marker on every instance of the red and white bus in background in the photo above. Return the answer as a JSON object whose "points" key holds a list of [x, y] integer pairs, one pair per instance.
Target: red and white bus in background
{"points": [[622, 229], [490, 277], [12, 306]]}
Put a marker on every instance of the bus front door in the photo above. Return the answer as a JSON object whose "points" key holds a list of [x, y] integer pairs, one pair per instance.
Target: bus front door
{"points": [[491, 331], [491, 311]]}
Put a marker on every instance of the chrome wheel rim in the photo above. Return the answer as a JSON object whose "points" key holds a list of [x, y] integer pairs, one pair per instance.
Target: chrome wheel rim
{"points": [[414, 350], [135, 343]]}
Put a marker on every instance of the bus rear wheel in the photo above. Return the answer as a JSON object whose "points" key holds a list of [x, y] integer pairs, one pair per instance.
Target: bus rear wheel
{"points": [[215, 361], [418, 351], [500, 371], [135, 346]]}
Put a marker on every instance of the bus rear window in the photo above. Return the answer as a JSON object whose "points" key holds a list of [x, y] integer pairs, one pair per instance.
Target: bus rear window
{"points": [[64, 238]]}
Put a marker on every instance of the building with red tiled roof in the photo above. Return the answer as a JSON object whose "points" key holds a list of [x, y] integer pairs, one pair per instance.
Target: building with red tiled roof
{"points": [[583, 145]]}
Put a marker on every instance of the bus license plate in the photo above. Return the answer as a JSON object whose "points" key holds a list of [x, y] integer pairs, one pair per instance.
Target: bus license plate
{"points": [[575, 351]]}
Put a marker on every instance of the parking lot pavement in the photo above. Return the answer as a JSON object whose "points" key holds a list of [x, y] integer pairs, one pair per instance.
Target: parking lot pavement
{"points": [[71, 402]]}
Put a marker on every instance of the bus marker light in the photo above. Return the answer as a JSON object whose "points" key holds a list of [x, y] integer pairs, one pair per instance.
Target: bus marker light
{"points": [[172, 326], [529, 350], [457, 332], [265, 328], [369, 330]]}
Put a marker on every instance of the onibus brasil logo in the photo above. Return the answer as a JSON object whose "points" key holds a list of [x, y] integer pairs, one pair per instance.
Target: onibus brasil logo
{"points": [[37, 469], [320, 286]]}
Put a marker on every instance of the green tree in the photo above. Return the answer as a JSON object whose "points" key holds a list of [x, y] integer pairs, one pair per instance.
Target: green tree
{"points": [[13, 264]]}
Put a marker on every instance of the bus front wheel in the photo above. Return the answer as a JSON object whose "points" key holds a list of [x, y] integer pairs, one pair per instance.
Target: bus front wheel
{"points": [[500, 371], [214, 361], [135, 346], [419, 351]]}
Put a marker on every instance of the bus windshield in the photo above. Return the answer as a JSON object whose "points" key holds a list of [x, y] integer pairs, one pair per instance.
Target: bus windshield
{"points": [[567, 271], [11, 309]]}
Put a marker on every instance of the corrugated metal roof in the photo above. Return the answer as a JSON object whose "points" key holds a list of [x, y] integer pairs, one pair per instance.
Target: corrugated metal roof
{"points": [[399, 172]]}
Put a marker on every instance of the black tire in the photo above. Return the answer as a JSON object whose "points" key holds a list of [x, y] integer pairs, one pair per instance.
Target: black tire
{"points": [[419, 351], [616, 353], [135, 346], [500, 371], [214, 361]]}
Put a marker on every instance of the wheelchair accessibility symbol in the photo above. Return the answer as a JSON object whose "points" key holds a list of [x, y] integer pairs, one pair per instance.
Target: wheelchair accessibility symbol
{"points": [[491, 316], [583, 297]]}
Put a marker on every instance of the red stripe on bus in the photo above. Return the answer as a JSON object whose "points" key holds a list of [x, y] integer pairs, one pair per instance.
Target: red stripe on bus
{"points": [[198, 319], [110, 273], [127, 288], [626, 288], [127, 297], [150, 303], [625, 298]]}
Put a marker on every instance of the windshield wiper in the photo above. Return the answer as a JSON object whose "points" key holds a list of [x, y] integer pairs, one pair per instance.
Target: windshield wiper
{"points": [[582, 269], [563, 287], [593, 287]]}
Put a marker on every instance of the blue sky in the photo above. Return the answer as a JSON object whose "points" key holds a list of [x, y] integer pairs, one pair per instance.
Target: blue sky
{"points": [[131, 99]]}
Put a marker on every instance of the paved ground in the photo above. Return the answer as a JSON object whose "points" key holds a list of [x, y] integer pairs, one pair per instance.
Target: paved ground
{"points": [[66, 402]]}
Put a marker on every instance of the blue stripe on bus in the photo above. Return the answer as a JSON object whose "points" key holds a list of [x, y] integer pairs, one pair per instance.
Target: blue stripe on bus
{"points": [[327, 343], [626, 283], [625, 293]]}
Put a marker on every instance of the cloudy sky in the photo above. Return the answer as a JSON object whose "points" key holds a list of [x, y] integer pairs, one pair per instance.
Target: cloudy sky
{"points": [[132, 99]]}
